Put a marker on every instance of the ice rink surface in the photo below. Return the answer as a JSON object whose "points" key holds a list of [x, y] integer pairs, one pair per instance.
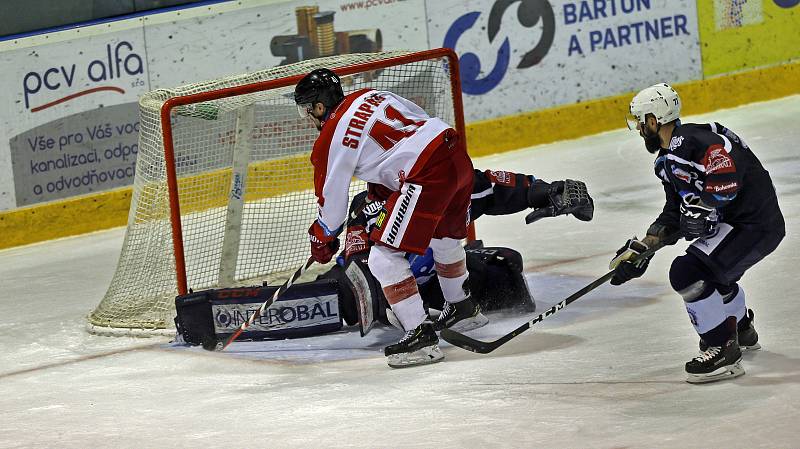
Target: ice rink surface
{"points": [[606, 372]]}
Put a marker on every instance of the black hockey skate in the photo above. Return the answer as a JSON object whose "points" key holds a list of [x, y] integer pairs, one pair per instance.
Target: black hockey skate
{"points": [[419, 346], [716, 363], [748, 337], [462, 316]]}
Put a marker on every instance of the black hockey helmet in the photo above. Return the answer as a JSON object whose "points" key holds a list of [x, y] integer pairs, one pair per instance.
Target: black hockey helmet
{"points": [[319, 86]]}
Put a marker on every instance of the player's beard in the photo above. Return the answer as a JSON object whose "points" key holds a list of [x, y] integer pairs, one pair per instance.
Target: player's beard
{"points": [[651, 141]]}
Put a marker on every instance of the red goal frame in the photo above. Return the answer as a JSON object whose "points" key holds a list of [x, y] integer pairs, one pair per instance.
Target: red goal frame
{"points": [[170, 104]]}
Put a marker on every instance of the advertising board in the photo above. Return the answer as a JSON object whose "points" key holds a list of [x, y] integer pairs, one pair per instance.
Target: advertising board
{"points": [[71, 125], [745, 34], [523, 55]]}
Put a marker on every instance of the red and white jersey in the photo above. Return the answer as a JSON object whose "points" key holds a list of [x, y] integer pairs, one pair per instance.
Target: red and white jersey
{"points": [[376, 136]]}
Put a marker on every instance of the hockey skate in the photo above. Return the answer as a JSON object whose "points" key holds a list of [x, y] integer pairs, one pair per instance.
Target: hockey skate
{"points": [[716, 363], [419, 346], [748, 337], [462, 316]]}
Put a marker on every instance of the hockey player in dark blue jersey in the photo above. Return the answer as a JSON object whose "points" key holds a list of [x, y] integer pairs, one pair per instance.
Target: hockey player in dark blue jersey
{"points": [[719, 197]]}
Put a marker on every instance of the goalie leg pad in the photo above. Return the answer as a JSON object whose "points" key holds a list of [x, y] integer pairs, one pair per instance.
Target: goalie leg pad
{"points": [[366, 292], [496, 279], [361, 299], [194, 322]]}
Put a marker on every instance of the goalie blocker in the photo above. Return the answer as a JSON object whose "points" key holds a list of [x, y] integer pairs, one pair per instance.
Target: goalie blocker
{"points": [[344, 295]]}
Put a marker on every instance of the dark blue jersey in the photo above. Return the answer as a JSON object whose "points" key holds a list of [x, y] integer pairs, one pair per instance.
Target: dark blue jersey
{"points": [[709, 161]]}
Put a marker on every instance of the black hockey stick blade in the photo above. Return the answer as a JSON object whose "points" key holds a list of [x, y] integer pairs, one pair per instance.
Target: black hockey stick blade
{"points": [[485, 347]]}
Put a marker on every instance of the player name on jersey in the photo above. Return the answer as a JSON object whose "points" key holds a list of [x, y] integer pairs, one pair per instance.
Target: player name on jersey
{"points": [[355, 126]]}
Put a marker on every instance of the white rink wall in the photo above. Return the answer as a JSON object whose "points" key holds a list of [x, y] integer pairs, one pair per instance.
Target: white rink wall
{"points": [[71, 127]]}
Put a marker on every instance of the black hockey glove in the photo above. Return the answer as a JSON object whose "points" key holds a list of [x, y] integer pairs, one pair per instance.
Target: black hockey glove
{"points": [[364, 211], [559, 198], [668, 235], [624, 265], [697, 219]]}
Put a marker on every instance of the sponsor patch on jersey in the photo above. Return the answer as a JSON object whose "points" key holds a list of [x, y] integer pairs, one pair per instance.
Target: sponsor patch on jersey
{"points": [[675, 142], [381, 218], [722, 187], [709, 243], [717, 160], [356, 241], [732, 136], [501, 177], [682, 174]]}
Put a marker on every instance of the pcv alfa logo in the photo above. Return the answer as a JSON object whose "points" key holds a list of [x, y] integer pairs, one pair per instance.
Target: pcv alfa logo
{"points": [[120, 60]]}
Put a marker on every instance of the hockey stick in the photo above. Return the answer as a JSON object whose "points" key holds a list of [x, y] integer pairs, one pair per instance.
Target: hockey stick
{"points": [[485, 347], [221, 346]]}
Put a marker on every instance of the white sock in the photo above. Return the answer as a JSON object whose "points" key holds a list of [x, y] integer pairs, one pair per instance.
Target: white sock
{"points": [[453, 288], [707, 313], [736, 306], [451, 267], [410, 312]]}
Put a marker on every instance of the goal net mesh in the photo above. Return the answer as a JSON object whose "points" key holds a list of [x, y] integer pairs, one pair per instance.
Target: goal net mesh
{"points": [[245, 184]]}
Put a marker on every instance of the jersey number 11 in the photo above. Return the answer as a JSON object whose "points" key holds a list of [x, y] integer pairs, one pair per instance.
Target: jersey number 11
{"points": [[387, 134]]}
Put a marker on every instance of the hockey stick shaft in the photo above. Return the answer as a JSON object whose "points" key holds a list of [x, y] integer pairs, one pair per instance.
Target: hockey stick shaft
{"points": [[268, 303], [484, 347], [284, 287]]}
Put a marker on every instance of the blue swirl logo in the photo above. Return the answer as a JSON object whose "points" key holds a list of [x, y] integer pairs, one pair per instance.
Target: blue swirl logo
{"points": [[529, 14]]}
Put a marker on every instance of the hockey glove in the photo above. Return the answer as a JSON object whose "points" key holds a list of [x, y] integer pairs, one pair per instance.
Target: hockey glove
{"points": [[625, 265], [323, 246], [697, 219], [559, 198], [661, 233]]}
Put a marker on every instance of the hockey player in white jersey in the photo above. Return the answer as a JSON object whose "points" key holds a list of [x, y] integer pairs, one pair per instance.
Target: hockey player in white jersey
{"points": [[386, 140]]}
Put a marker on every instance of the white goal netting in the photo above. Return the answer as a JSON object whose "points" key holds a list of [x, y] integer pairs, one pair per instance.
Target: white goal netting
{"points": [[244, 181]]}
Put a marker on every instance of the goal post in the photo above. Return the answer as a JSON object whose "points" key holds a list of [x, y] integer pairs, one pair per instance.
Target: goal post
{"points": [[223, 188]]}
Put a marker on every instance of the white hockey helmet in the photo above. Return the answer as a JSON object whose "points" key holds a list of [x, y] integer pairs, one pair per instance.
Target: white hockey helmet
{"points": [[661, 100]]}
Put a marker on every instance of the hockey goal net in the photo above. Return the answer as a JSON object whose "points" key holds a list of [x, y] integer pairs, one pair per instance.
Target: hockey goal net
{"points": [[223, 190]]}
